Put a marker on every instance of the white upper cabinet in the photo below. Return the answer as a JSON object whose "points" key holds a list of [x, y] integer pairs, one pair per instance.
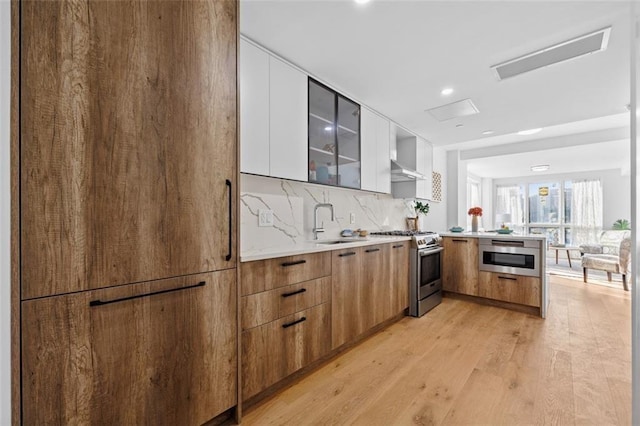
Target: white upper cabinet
{"points": [[375, 166], [254, 109], [273, 116], [383, 156], [368, 146], [288, 121]]}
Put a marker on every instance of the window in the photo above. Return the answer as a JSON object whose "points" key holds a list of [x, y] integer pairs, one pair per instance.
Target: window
{"points": [[568, 212]]}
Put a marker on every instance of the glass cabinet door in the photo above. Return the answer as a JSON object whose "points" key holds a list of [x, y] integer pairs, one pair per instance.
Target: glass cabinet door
{"points": [[348, 143], [334, 138]]}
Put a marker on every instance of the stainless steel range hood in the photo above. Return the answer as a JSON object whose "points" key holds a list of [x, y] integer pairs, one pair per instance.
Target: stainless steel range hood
{"points": [[400, 173]]}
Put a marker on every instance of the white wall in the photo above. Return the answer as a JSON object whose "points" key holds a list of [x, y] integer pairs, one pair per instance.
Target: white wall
{"points": [[615, 191], [5, 213], [436, 220]]}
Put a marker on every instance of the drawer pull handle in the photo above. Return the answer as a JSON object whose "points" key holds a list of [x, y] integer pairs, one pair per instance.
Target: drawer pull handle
{"points": [[507, 278], [106, 302], [291, 324], [228, 256], [398, 246], [351, 253], [293, 293], [295, 262], [372, 250], [459, 241]]}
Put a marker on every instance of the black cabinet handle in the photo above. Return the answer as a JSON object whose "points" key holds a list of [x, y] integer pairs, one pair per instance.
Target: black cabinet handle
{"points": [[100, 302], [295, 262], [293, 293], [459, 241], [294, 322], [372, 250], [507, 278], [228, 257], [351, 253], [398, 246]]}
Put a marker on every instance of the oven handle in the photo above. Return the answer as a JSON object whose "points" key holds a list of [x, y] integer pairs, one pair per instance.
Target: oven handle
{"points": [[422, 253]]}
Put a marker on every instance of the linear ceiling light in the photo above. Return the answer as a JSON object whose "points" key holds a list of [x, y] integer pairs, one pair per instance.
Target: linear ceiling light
{"points": [[540, 168], [570, 49]]}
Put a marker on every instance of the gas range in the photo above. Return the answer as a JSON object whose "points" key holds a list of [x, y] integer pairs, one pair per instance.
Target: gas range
{"points": [[421, 239]]}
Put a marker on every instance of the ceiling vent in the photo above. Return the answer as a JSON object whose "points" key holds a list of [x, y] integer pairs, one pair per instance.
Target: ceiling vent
{"points": [[574, 48], [453, 110]]}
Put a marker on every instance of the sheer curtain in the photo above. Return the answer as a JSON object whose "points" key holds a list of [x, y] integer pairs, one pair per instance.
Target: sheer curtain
{"points": [[510, 199], [586, 211]]}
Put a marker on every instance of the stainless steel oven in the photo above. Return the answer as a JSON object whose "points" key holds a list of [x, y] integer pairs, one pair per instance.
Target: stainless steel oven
{"points": [[426, 280], [511, 256]]}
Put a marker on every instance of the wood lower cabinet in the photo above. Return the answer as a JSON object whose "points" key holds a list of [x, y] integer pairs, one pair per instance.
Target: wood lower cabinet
{"points": [[376, 286], [460, 265], [261, 275], [160, 352], [127, 142], [510, 288], [399, 279], [286, 317], [347, 310], [273, 351], [267, 306]]}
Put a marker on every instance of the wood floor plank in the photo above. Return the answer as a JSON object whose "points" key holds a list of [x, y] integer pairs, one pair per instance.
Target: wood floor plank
{"points": [[465, 363]]}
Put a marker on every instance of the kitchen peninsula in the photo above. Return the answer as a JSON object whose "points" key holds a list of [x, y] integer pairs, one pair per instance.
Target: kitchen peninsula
{"points": [[501, 269]]}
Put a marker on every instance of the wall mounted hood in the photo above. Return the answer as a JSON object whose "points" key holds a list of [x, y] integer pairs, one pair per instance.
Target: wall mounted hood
{"points": [[400, 173]]}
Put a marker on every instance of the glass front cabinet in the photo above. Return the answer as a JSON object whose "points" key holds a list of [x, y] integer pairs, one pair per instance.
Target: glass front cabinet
{"points": [[334, 138]]}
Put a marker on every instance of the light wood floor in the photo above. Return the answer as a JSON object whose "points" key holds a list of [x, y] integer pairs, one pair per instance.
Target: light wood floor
{"points": [[464, 363]]}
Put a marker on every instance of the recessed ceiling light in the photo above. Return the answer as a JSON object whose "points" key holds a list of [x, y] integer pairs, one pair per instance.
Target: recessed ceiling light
{"points": [[328, 129], [529, 132], [362, 1], [540, 168], [446, 91], [487, 132]]}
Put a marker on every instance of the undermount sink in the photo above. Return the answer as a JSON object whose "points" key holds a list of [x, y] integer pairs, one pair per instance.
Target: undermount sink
{"points": [[340, 241]]}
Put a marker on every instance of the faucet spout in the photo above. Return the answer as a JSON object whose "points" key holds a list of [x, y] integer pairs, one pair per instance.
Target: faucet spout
{"points": [[316, 229]]}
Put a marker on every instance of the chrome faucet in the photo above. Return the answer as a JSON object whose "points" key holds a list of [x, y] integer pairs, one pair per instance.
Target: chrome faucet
{"points": [[317, 230]]}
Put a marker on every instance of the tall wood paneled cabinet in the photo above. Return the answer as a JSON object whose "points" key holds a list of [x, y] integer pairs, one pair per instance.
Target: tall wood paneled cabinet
{"points": [[128, 166]]}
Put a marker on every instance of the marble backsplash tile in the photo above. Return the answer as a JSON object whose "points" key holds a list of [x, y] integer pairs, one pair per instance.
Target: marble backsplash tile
{"points": [[293, 204]]}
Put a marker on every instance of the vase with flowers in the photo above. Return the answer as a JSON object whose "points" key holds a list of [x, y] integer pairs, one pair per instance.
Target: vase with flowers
{"points": [[419, 208], [474, 212]]}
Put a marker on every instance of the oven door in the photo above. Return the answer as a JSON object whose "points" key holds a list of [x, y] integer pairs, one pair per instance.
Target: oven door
{"points": [[429, 272], [510, 260]]}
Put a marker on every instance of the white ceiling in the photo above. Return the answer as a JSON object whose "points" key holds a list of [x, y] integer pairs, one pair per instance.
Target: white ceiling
{"points": [[396, 56]]}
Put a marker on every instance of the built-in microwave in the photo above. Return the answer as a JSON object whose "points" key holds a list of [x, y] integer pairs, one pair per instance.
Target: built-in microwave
{"points": [[510, 256]]}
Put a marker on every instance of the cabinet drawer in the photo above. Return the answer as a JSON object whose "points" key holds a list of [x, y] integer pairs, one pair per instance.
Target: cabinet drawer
{"points": [[268, 274], [273, 351], [509, 288], [161, 352], [261, 308]]}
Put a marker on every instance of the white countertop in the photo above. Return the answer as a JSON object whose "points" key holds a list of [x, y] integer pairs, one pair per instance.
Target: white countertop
{"points": [[315, 247], [493, 235]]}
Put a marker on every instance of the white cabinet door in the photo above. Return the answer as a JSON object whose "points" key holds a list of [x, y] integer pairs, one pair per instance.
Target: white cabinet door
{"points": [[288, 122], [254, 109], [424, 165], [368, 149], [383, 175]]}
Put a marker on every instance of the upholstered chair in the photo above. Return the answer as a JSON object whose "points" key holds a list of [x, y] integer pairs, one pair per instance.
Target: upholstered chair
{"points": [[608, 242], [610, 263]]}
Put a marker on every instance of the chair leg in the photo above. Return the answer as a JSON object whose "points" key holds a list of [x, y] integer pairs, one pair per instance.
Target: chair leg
{"points": [[584, 274], [624, 282], [609, 276]]}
